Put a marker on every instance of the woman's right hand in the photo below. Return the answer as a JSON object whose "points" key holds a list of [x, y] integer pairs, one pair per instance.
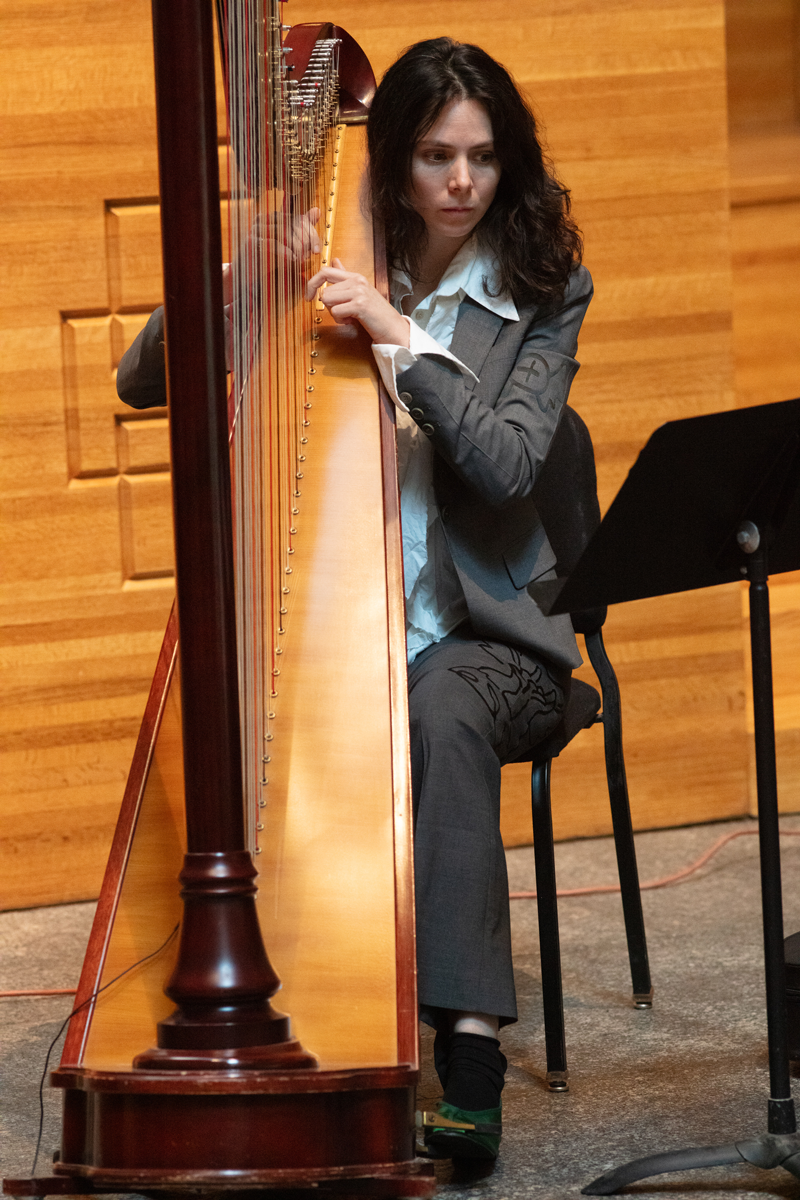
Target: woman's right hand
{"points": [[283, 242], [292, 239]]}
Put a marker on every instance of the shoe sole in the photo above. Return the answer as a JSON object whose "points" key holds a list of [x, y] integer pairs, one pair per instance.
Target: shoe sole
{"points": [[452, 1144]]}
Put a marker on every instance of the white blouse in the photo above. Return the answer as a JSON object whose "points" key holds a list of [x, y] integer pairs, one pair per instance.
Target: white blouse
{"points": [[435, 602]]}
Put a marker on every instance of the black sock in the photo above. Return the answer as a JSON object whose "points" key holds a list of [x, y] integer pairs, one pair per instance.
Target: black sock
{"points": [[475, 1072], [441, 1052]]}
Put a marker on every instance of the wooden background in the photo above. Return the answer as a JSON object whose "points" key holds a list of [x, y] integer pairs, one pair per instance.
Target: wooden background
{"points": [[697, 308]]}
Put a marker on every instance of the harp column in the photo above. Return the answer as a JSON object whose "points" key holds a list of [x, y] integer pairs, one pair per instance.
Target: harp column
{"points": [[223, 979]]}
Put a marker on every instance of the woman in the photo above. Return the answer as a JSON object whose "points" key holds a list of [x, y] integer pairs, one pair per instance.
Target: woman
{"points": [[477, 351]]}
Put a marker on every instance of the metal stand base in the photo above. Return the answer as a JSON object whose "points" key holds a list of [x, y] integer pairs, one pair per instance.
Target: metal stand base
{"points": [[768, 1152]]}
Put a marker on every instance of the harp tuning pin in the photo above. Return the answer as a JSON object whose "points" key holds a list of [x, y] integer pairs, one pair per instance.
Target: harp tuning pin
{"points": [[262, 803], [259, 825], [271, 716], [266, 758], [269, 736]]}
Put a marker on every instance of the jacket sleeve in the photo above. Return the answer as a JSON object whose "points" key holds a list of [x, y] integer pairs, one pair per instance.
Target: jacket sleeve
{"points": [[141, 375], [496, 434]]}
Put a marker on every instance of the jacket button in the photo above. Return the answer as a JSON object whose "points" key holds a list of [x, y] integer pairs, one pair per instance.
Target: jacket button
{"points": [[405, 397], [427, 429], [416, 412]]}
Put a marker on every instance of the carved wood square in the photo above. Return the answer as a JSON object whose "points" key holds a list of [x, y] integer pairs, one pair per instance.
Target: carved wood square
{"points": [[104, 437]]}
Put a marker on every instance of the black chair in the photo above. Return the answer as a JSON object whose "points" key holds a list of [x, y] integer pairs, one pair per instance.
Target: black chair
{"points": [[566, 499]]}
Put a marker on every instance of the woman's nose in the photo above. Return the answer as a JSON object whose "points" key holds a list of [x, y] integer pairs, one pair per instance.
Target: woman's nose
{"points": [[460, 178]]}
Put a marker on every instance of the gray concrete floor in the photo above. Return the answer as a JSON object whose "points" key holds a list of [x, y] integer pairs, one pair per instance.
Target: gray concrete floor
{"points": [[693, 1071]]}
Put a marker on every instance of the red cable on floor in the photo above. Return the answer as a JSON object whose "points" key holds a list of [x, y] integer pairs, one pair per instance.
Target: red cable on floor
{"points": [[41, 992], [666, 880]]}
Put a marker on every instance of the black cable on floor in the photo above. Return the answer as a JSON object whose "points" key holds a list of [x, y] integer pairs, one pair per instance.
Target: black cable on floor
{"points": [[74, 1013]]}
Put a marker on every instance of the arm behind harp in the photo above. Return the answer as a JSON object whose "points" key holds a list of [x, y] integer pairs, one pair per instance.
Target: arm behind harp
{"points": [[141, 375]]}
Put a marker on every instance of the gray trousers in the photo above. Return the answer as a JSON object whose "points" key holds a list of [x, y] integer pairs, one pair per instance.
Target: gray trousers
{"points": [[474, 705]]}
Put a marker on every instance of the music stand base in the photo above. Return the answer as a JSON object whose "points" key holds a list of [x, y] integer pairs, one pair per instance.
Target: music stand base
{"points": [[770, 1151]]}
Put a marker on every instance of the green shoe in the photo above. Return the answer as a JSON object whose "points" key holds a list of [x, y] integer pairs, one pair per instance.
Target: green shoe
{"points": [[463, 1134]]}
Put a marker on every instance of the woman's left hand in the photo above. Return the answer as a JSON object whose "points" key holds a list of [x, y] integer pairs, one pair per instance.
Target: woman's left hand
{"points": [[349, 297]]}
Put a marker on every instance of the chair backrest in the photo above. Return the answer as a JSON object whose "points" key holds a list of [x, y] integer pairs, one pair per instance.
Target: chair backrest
{"points": [[566, 500]]}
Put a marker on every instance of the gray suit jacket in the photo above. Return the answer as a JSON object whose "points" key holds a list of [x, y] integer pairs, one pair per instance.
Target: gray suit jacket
{"points": [[491, 439]]}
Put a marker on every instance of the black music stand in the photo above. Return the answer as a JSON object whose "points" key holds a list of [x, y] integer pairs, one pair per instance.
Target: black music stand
{"points": [[712, 499]]}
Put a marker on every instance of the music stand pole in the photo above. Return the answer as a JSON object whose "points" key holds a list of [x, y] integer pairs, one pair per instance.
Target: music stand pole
{"points": [[711, 499], [781, 1113]]}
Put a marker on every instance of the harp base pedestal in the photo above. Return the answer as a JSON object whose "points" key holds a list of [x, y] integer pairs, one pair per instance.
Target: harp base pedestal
{"points": [[348, 1130]]}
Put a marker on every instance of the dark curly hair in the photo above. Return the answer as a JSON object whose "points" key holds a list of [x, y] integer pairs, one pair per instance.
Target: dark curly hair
{"points": [[528, 227]]}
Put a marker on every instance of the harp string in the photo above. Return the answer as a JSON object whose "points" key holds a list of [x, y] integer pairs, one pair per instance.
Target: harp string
{"points": [[280, 167]]}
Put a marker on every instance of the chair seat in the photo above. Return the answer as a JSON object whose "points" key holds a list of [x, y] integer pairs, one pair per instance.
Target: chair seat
{"points": [[581, 712]]}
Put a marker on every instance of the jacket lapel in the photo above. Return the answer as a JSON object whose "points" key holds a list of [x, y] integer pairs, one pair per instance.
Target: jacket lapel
{"points": [[475, 333]]}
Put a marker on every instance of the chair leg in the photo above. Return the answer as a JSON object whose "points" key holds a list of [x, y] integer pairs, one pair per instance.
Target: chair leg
{"points": [[621, 819], [549, 948]]}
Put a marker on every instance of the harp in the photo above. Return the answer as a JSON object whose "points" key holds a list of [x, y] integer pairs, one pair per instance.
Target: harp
{"points": [[218, 1093]]}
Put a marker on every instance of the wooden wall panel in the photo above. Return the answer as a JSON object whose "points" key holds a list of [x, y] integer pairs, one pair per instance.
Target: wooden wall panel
{"points": [[764, 69], [632, 96], [763, 38], [79, 639]]}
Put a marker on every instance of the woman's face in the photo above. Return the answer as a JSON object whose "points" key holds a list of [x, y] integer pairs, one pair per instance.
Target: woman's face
{"points": [[454, 172]]}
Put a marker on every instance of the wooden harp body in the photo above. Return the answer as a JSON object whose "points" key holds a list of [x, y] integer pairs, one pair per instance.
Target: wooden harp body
{"points": [[325, 760]]}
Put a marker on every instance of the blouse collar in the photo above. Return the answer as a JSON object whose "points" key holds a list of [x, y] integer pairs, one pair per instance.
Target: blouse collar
{"points": [[466, 275]]}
